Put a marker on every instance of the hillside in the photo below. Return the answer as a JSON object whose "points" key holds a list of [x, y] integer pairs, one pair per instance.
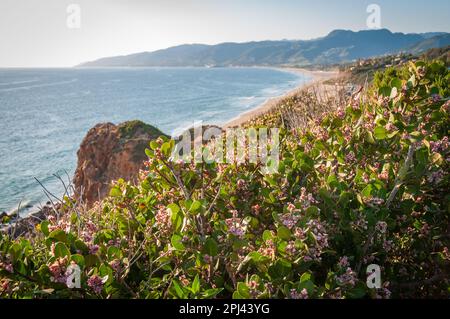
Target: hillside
{"points": [[362, 184], [337, 47]]}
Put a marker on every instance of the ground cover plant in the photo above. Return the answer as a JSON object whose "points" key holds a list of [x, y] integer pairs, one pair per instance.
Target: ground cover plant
{"points": [[364, 184]]}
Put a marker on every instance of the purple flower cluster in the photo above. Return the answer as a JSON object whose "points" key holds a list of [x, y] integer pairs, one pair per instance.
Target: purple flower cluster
{"points": [[306, 199], [294, 294], [289, 220], [381, 227], [236, 226], [343, 262], [7, 266], [163, 221], [360, 223], [348, 278], [321, 240], [350, 158], [436, 177], [95, 283], [269, 249], [440, 146], [58, 270]]}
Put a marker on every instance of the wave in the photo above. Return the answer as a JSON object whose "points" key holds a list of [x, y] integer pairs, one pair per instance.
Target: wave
{"points": [[38, 86], [18, 82]]}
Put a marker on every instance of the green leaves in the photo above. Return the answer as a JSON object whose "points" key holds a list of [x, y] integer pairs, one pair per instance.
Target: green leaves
{"points": [[58, 235], [283, 233], [280, 269], [177, 242], [210, 247], [115, 191], [176, 216], [61, 250], [196, 205], [338, 174], [380, 133]]}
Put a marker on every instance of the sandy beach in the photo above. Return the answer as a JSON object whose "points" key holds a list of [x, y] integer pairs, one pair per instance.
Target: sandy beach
{"points": [[317, 78]]}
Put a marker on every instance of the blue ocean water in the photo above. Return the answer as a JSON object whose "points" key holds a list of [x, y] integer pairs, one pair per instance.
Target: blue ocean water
{"points": [[45, 113]]}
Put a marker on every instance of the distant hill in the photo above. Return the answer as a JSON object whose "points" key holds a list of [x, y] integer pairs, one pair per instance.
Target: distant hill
{"points": [[337, 47]]}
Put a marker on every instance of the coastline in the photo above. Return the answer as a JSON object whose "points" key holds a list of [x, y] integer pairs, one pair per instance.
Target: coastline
{"points": [[317, 77]]}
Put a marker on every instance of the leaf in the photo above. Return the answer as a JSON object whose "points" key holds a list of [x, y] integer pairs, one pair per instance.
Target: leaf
{"points": [[196, 285], [305, 277], [91, 261], [211, 292], [115, 192], [61, 250], [380, 133], [280, 269], [78, 259], [176, 217], [196, 205], [81, 246], [236, 295], [58, 235], [210, 248], [179, 291], [154, 145], [397, 83], [312, 212], [255, 256], [243, 290], [149, 152], [284, 233], [267, 234], [369, 138], [176, 241], [44, 227]]}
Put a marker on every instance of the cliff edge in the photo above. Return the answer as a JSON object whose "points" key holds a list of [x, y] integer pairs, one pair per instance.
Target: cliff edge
{"points": [[109, 152]]}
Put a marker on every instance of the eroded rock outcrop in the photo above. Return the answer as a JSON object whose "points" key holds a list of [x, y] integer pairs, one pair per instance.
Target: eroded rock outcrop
{"points": [[109, 152]]}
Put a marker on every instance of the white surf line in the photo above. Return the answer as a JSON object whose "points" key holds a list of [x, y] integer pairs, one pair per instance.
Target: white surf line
{"points": [[38, 85], [17, 82]]}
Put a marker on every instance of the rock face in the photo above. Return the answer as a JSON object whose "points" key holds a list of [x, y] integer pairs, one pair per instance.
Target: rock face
{"points": [[109, 152]]}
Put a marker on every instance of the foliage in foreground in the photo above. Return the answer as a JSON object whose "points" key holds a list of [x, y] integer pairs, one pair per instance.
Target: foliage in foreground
{"points": [[367, 184]]}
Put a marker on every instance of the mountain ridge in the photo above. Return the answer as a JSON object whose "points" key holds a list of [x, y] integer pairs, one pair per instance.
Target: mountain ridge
{"points": [[338, 46]]}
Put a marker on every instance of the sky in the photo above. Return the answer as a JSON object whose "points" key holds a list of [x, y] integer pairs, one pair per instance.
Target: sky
{"points": [[43, 33]]}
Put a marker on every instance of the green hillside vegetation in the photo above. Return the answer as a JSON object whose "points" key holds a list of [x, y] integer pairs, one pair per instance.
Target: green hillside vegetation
{"points": [[365, 183], [338, 46]]}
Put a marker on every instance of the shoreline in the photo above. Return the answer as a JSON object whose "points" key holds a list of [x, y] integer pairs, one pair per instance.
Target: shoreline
{"points": [[316, 78]]}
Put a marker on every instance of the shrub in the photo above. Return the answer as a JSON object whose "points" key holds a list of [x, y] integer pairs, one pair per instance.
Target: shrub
{"points": [[365, 184]]}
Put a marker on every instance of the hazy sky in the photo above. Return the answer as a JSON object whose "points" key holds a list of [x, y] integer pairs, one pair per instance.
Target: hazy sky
{"points": [[34, 33]]}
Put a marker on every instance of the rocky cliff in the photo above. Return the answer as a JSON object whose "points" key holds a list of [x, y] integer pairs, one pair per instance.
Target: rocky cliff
{"points": [[109, 152]]}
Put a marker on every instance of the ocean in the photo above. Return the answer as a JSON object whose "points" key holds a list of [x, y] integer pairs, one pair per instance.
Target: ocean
{"points": [[45, 113]]}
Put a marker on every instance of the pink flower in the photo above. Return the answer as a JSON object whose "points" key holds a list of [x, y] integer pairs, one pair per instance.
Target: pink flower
{"points": [[383, 176], [236, 226], [343, 262], [207, 259], [115, 265], [381, 226], [7, 266], [348, 278], [289, 220], [256, 209], [294, 294], [93, 249], [95, 283]]}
